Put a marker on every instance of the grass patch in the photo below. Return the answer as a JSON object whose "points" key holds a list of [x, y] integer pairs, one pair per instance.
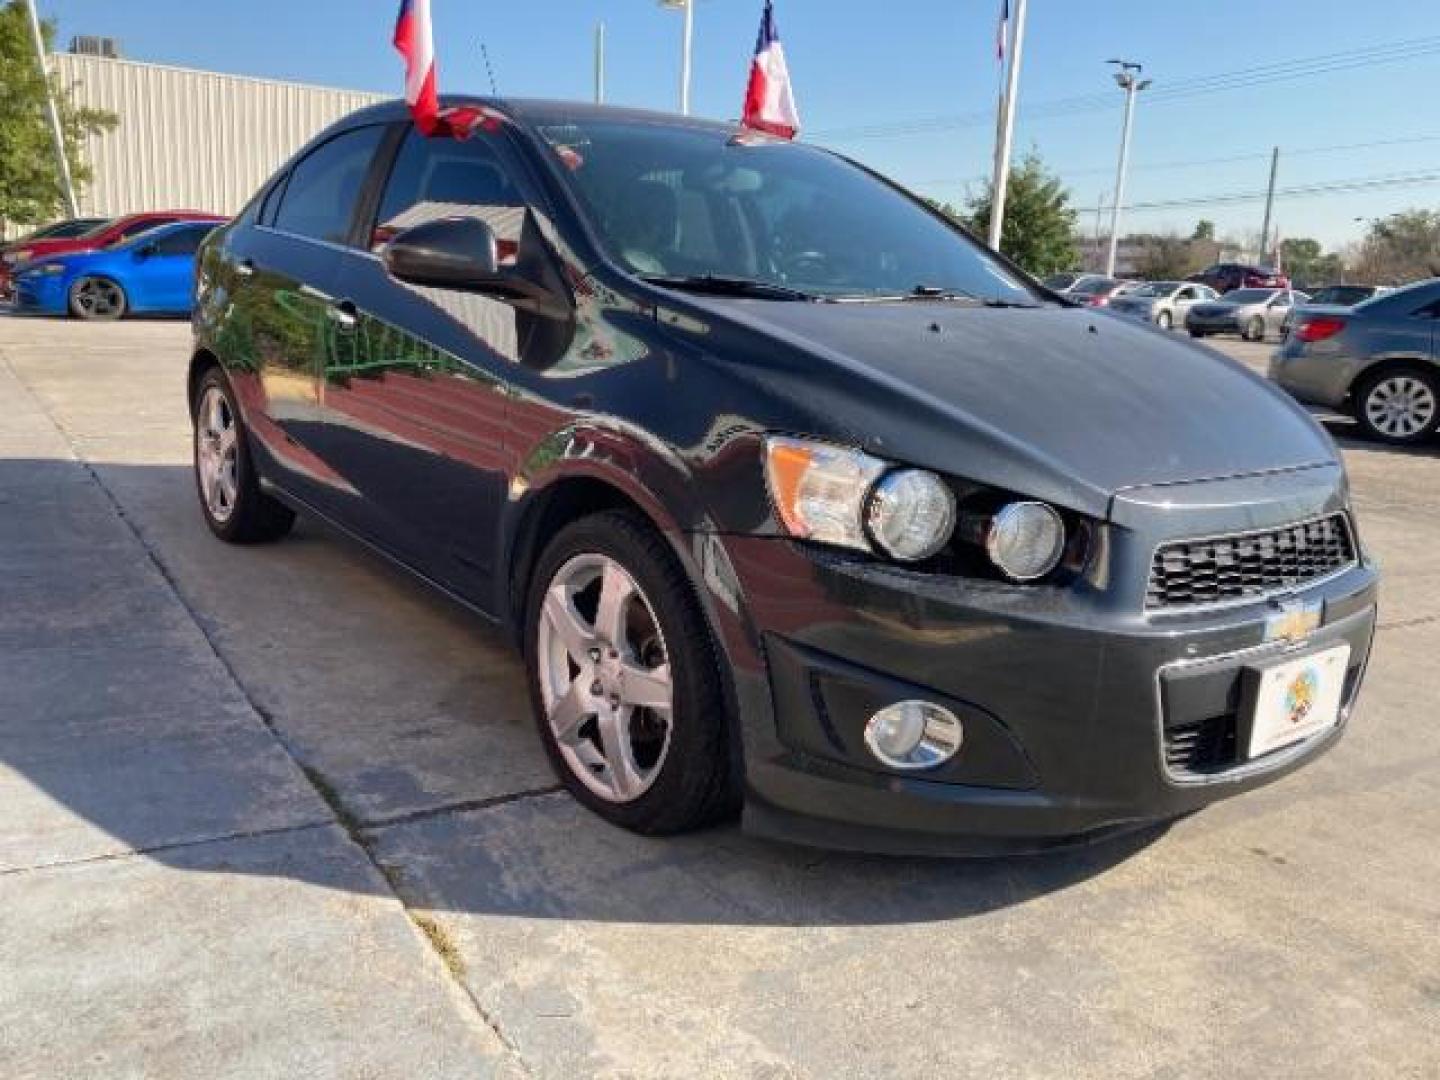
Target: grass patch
{"points": [[441, 942]]}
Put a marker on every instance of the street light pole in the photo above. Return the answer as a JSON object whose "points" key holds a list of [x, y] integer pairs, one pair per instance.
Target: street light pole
{"points": [[600, 63], [687, 40], [1128, 78], [67, 182], [1005, 133]]}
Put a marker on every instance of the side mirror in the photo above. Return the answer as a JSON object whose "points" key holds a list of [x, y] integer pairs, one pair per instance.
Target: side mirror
{"points": [[146, 250], [462, 253], [451, 253]]}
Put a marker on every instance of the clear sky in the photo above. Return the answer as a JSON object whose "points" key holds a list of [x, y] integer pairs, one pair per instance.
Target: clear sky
{"points": [[909, 86]]}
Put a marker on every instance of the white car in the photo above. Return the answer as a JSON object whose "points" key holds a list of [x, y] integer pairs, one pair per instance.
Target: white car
{"points": [[1164, 303]]}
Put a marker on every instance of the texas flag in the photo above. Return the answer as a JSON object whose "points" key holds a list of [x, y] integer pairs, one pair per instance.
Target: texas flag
{"points": [[769, 99]]}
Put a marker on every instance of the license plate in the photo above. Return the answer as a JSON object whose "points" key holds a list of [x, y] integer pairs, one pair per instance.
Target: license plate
{"points": [[1298, 698]]}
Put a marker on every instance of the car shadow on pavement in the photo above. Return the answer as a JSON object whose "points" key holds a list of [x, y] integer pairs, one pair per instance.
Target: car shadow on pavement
{"points": [[405, 714]]}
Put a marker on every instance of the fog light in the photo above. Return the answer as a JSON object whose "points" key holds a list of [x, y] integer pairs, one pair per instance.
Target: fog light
{"points": [[914, 735]]}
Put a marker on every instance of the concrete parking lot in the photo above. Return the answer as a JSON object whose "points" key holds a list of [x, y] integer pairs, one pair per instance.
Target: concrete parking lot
{"points": [[280, 812]]}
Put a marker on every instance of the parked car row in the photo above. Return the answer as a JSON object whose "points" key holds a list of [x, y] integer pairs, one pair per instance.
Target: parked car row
{"points": [[101, 269]]}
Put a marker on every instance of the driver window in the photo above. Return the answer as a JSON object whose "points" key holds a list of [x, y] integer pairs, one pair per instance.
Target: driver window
{"points": [[437, 178]]}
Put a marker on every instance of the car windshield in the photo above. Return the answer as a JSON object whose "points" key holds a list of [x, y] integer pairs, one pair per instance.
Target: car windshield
{"points": [[1059, 282], [699, 204], [133, 238], [1157, 288], [1249, 296], [1094, 286]]}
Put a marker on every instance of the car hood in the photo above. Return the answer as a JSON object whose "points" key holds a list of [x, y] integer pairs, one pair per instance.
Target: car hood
{"points": [[1056, 403]]}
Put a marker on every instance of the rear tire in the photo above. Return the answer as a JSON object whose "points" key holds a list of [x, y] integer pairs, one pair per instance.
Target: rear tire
{"points": [[235, 508], [1197, 333], [1400, 406], [97, 299], [589, 672]]}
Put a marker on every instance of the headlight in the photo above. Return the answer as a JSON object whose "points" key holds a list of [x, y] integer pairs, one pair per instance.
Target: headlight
{"points": [[819, 490], [911, 514], [14, 258], [1025, 540]]}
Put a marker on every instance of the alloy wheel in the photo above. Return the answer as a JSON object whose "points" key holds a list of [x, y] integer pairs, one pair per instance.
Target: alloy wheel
{"points": [[217, 454], [605, 681], [1401, 406], [97, 298]]}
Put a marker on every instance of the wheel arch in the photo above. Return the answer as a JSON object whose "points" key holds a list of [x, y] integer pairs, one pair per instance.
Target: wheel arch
{"points": [[201, 361], [1388, 365]]}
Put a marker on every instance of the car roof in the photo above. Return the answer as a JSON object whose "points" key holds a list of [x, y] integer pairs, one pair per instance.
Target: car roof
{"points": [[532, 111]]}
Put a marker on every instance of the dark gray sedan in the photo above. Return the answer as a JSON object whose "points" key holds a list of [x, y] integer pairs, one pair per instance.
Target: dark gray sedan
{"points": [[1379, 361]]}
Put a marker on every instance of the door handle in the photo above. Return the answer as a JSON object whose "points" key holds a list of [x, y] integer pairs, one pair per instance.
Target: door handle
{"points": [[344, 314], [245, 268]]}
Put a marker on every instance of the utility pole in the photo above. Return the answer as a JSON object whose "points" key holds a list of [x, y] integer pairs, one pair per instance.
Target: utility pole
{"points": [[1005, 131], [67, 182], [1099, 213], [1269, 204], [600, 63], [1128, 79], [687, 40]]}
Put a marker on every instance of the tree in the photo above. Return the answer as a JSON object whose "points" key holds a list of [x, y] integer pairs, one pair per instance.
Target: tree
{"points": [[1039, 227], [1168, 258], [1204, 230], [1401, 248], [30, 186], [1306, 263]]}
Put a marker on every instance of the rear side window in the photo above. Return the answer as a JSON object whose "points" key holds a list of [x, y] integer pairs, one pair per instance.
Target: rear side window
{"points": [[182, 241], [319, 200], [435, 178]]}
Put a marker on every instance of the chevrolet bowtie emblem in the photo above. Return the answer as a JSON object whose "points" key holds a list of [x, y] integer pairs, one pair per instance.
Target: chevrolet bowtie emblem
{"points": [[1295, 621]]}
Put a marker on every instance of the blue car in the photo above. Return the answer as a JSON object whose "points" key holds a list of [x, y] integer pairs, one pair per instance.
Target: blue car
{"points": [[152, 272]]}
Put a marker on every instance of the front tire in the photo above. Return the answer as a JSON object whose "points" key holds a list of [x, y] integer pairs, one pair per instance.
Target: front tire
{"points": [[1197, 333], [1400, 407], [235, 508], [625, 678], [1254, 329], [97, 299], [1165, 320]]}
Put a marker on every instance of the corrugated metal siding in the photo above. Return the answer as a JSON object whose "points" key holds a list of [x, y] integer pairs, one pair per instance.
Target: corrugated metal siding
{"points": [[189, 139]]}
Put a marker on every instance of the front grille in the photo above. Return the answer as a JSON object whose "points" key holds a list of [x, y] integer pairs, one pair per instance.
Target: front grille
{"points": [[1248, 565], [1201, 747]]}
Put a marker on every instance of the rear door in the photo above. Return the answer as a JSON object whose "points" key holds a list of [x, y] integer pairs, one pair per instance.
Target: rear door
{"points": [[280, 271], [415, 393]]}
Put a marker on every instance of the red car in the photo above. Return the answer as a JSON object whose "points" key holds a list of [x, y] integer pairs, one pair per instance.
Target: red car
{"points": [[1225, 277], [120, 228]]}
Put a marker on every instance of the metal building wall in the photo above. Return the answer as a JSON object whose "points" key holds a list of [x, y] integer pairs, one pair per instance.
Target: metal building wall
{"points": [[188, 139]]}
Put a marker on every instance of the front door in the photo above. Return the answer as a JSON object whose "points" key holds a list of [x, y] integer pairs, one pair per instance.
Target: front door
{"points": [[415, 390], [169, 270]]}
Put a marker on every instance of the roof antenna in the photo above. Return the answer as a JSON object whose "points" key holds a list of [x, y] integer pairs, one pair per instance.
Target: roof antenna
{"points": [[494, 91]]}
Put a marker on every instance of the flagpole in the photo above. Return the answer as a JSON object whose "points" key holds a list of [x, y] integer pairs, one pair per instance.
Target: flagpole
{"points": [[1005, 132]]}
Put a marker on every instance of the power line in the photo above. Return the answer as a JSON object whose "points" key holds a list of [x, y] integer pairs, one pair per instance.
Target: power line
{"points": [[1184, 89], [1334, 187]]}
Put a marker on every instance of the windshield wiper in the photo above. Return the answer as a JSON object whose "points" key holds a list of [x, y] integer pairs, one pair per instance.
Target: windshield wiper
{"points": [[939, 292], [721, 285]]}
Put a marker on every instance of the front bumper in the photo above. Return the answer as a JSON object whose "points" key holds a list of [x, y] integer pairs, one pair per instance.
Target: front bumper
{"points": [[40, 292], [1074, 713], [1213, 324]]}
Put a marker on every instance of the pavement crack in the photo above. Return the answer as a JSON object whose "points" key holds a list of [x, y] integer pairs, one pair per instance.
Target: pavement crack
{"points": [[165, 849], [462, 807], [1406, 624]]}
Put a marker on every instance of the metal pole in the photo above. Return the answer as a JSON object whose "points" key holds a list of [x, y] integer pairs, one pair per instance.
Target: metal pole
{"points": [[600, 63], [1005, 135], [67, 182], [1269, 203], [1129, 83], [1099, 214], [685, 47]]}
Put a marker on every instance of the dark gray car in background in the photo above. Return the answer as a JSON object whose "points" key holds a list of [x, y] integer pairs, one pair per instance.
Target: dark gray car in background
{"points": [[1378, 361], [793, 495]]}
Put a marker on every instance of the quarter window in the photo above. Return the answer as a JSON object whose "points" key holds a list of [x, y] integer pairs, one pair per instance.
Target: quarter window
{"points": [[319, 200], [435, 178]]}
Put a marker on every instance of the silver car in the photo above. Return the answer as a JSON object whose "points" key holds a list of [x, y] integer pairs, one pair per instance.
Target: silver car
{"points": [[1329, 298], [1164, 303], [1252, 313], [1379, 361]]}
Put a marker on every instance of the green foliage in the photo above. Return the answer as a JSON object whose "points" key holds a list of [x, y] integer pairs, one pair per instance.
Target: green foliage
{"points": [[1401, 248], [1039, 227], [1204, 230], [1169, 258], [1306, 263], [30, 186]]}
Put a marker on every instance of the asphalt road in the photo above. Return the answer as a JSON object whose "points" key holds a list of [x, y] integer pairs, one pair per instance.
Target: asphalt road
{"points": [[280, 812]]}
